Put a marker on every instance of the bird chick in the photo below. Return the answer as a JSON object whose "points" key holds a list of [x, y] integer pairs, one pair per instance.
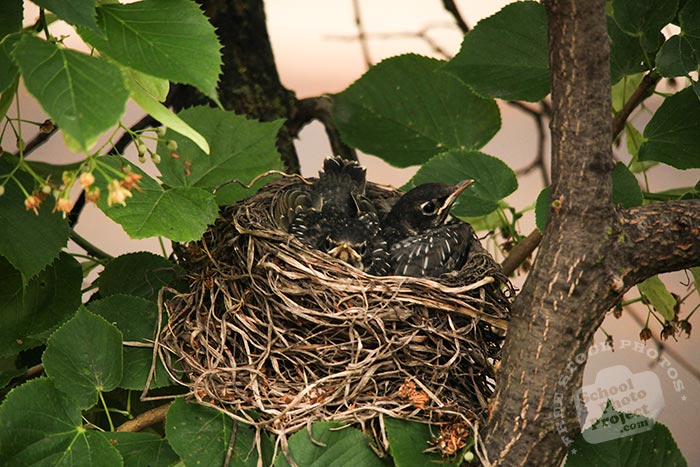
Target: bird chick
{"points": [[334, 215], [418, 237]]}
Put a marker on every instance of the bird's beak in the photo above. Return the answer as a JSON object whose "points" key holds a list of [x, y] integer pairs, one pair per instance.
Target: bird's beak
{"points": [[458, 189]]}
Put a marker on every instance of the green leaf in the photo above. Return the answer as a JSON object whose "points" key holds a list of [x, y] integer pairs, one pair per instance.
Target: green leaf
{"points": [[6, 99], [626, 54], [408, 441], [142, 449], [676, 57], [647, 444], [84, 95], [489, 222], [672, 135], [156, 88], [644, 17], [8, 67], [85, 357], [30, 312], [696, 278], [493, 179], [542, 208], [136, 319], [200, 436], [40, 426], [623, 90], [141, 274], [340, 447], [29, 241], [75, 12], [689, 21], [144, 90], [240, 149], [634, 140], [11, 18], [180, 214], [625, 187], [658, 295], [170, 39], [505, 55], [406, 109]]}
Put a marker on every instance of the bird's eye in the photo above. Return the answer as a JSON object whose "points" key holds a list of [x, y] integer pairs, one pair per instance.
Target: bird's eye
{"points": [[428, 208]]}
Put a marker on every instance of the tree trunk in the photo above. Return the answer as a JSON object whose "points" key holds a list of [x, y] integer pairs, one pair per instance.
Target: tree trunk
{"points": [[589, 256]]}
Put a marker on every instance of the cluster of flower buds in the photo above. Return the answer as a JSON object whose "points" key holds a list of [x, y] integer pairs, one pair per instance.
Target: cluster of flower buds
{"points": [[119, 189]]}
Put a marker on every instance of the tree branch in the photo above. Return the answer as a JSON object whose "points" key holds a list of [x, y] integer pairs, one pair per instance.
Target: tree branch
{"points": [[146, 419], [644, 90], [521, 252], [454, 11], [361, 34], [37, 141], [656, 238], [320, 108]]}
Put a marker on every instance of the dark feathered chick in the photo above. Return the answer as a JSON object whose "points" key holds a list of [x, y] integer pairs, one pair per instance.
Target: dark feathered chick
{"points": [[333, 215], [418, 237]]}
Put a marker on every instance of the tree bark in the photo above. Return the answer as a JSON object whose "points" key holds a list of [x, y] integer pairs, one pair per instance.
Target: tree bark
{"points": [[591, 252], [249, 83]]}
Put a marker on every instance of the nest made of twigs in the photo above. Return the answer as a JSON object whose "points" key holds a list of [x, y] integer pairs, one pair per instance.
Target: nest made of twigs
{"points": [[272, 328]]}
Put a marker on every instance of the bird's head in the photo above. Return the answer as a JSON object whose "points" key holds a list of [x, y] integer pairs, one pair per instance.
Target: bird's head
{"points": [[425, 206]]}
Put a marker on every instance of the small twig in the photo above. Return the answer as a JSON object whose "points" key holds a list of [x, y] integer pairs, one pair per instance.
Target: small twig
{"points": [[231, 443], [258, 178], [454, 11], [422, 35], [146, 419], [37, 141], [644, 90], [89, 248], [361, 34], [320, 108], [521, 252]]}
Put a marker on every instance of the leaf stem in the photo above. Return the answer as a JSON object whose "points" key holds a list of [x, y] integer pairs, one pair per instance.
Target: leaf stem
{"points": [[104, 405], [89, 248]]}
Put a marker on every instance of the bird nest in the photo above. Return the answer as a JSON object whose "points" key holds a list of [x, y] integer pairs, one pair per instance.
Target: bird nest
{"points": [[279, 335]]}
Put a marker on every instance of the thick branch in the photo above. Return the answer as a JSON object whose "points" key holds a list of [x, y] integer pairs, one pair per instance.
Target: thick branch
{"points": [[581, 154], [656, 238], [563, 299]]}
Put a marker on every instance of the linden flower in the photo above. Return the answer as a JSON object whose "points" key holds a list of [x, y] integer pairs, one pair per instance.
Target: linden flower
{"points": [[32, 202], [86, 179], [117, 193], [130, 181], [64, 205], [93, 195]]}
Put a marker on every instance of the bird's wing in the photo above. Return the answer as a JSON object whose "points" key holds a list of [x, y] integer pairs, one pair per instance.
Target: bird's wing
{"points": [[289, 203], [432, 253]]}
